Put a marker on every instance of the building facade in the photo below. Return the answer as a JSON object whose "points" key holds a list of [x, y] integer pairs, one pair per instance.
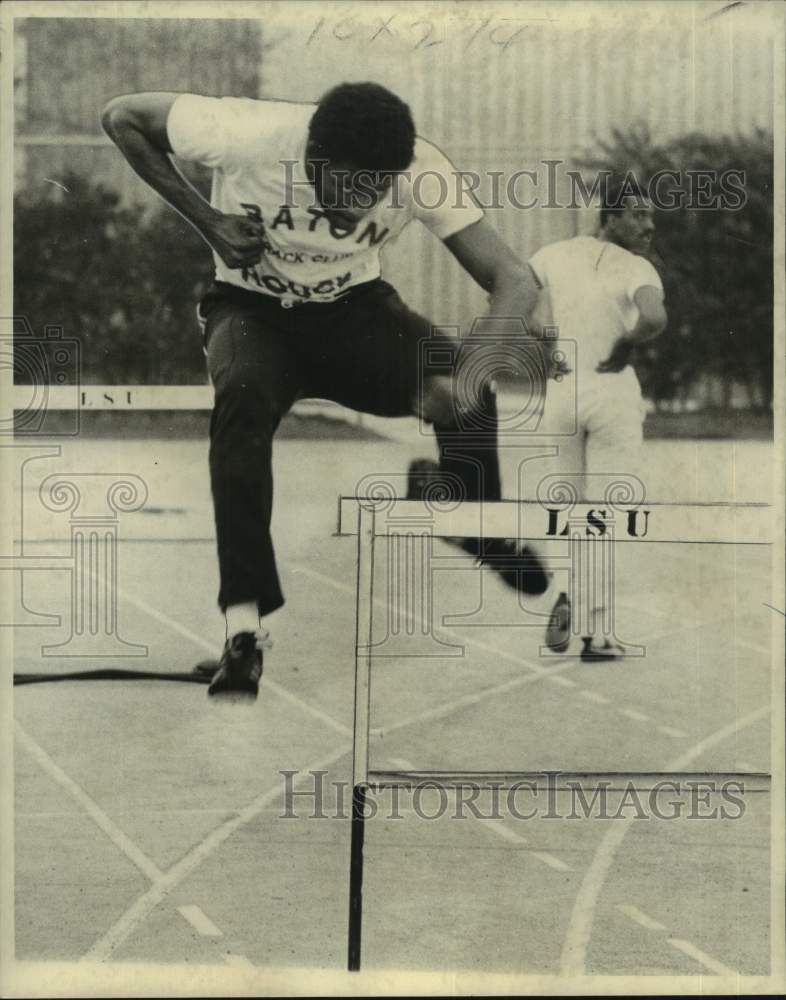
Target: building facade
{"points": [[512, 91]]}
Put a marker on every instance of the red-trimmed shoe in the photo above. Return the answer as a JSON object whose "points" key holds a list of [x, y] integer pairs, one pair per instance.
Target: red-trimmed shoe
{"points": [[240, 667]]}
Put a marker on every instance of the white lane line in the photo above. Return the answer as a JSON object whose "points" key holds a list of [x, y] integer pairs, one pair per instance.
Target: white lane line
{"points": [[125, 812], [93, 810], [200, 921], [405, 765], [599, 699], [551, 861], [139, 910], [678, 734], [304, 706], [631, 713], [163, 885], [635, 914], [706, 960], [495, 825], [498, 827], [449, 707], [550, 674], [755, 646], [731, 729], [574, 948], [239, 961], [743, 765], [685, 625], [443, 633]]}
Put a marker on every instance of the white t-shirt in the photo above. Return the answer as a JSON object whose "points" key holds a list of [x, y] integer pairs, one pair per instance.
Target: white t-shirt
{"points": [[256, 151], [589, 286]]}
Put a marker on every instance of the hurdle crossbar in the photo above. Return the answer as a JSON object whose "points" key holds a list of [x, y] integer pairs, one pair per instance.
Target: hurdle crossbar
{"points": [[541, 520], [553, 780], [374, 517]]}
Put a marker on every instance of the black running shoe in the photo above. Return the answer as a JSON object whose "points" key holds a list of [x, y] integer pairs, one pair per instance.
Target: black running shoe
{"points": [[420, 474], [206, 668], [605, 652], [237, 677], [516, 564], [558, 628]]}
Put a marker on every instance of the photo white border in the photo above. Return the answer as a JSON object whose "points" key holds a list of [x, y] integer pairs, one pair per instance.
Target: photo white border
{"points": [[45, 979]]}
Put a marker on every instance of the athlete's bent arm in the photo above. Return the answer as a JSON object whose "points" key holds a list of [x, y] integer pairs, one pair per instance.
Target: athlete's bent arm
{"points": [[137, 124], [650, 324], [652, 314], [512, 293], [489, 260]]}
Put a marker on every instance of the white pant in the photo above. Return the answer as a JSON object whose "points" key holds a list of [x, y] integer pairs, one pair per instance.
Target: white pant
{"points": [[595, 422]]}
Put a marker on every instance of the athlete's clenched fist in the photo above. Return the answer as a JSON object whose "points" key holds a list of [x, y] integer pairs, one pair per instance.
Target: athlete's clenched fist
{"points": [[238, 240]]}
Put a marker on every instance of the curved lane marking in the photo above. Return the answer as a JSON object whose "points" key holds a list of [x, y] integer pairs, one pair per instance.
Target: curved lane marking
{"points": [[574, 949]]}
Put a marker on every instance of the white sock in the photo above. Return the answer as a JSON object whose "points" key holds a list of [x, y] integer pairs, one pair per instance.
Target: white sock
{"points": [[242, 618], [594, 627]]}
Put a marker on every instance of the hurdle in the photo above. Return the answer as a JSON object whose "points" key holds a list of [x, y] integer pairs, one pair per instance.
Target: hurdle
{"points": [[611, 521]]}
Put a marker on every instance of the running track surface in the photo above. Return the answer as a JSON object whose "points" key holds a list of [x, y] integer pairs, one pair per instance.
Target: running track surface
{"points": [[149, 824]]}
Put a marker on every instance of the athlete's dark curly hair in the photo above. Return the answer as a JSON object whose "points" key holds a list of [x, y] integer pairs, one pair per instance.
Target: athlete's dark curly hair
{"points": [[615, 189], [363, 125]]}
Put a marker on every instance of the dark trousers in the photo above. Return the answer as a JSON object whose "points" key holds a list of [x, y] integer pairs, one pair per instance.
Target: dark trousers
{"points": [[365, 351]]}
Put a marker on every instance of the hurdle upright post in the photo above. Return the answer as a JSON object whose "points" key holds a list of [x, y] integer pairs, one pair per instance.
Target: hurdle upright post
{"points": [[670, 523], [360, 737]]}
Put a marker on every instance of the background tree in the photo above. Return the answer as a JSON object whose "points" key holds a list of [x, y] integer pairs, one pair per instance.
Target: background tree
{"points": [[716, 263], [124, 280], [121, 281]]}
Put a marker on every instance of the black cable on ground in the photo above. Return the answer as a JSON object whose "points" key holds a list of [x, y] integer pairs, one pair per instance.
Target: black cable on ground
{"points": [[201, 674]]}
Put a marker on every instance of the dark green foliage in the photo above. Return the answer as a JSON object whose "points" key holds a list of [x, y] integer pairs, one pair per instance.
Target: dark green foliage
{"points": [[716, 265], [122, 281]]}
